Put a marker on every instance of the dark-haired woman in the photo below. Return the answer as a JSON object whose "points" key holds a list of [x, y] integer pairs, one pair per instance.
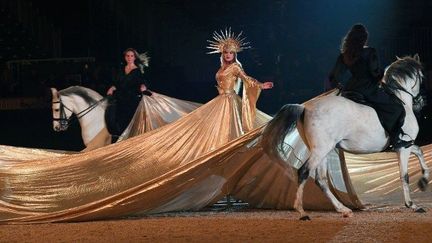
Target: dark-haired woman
{"points": [[126, 93], [365, 84]]}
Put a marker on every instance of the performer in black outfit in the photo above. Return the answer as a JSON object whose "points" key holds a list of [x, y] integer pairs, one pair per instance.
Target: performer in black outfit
{"points": [[125, 94], [365, 84]]}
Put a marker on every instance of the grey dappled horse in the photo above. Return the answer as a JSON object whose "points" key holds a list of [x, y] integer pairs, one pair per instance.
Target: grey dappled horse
{"points": [[332, 122]]}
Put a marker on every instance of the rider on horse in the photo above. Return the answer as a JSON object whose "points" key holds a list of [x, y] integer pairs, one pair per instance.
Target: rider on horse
{"points": [[365, 85], [126, 93]]}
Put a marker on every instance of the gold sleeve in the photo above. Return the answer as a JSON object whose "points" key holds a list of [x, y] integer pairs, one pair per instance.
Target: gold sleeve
{"points": [[249, 81], [251, 92]]}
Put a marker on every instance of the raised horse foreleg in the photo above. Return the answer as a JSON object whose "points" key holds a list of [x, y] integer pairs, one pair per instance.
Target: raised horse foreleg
{"points": [[423, 182], [403, 157]]}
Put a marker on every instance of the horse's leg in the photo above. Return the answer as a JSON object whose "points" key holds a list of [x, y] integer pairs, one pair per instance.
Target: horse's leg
{"points": [[303, 175], [403, 156], [423, 182], [322, 182]]}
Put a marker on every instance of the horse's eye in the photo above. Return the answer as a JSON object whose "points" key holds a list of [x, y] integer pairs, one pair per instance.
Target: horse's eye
{"points": [[56, 110]]}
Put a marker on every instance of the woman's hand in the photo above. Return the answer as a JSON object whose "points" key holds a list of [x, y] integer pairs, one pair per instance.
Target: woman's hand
{"points": [[267, 85], [111, 90], [143, 88]]}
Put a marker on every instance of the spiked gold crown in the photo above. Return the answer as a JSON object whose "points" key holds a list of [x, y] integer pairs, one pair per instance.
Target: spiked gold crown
{"points": [[227, 40]]}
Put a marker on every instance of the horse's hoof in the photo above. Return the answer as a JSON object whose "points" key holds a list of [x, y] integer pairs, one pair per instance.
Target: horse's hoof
{"points": [[305, 218], [420, 210], [347, 214], [422, 184]]}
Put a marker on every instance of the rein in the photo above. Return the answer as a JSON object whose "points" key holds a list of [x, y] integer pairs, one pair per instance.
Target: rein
{"points": [[416, 99], [64, 121]]}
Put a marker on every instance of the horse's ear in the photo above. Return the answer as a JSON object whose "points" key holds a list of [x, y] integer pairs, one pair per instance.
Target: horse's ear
{"points": [[54, 93], [417, 57], [398, 58]]}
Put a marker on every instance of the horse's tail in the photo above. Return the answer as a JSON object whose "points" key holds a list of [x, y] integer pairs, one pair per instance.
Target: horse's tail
{"points": [[277, 129]]}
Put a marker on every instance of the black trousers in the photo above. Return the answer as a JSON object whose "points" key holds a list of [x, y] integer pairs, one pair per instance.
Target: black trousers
{"points": [[390, 110], [118, 115]]}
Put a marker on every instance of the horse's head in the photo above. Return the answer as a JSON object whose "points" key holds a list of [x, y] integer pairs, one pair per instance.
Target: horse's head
{"points": [[60, 112], [76, 100], [404, 77]]}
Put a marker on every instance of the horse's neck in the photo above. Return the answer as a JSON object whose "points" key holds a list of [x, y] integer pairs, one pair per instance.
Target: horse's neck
{"points": [[410, 125], [91, 122], [406, 98]]}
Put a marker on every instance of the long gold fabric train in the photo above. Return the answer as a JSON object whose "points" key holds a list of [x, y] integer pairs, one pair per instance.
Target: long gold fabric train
{"points": [[185, 165]]}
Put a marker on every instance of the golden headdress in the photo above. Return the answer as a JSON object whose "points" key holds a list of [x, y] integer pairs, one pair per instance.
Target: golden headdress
{"points": [[227, 40]]}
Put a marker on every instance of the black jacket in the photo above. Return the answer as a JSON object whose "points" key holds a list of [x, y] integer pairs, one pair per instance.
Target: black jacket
{"points": [[365, 73]]}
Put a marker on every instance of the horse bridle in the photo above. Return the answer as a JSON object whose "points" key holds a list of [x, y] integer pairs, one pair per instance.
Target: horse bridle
{"points": [[418, 100], [64, 120]]}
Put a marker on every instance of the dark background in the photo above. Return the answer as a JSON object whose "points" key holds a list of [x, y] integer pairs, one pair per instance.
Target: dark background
{"points": [[295, 44]]}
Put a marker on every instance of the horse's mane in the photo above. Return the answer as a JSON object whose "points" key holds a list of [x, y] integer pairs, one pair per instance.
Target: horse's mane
{"points": [[89, 96], [401, 69]]}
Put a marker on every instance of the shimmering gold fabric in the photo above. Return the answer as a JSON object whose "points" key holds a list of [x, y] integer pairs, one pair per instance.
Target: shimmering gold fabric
{"points": [[152, 112], [156, 111], [376, 177], [11, 154], [185, 165]]}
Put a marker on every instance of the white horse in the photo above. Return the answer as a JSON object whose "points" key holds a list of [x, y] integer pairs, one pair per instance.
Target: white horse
{"points": [[88, 107], [336, 122]]}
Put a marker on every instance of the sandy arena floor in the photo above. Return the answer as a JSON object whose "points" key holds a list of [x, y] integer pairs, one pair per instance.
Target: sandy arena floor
{"points": [[379, 223]]}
